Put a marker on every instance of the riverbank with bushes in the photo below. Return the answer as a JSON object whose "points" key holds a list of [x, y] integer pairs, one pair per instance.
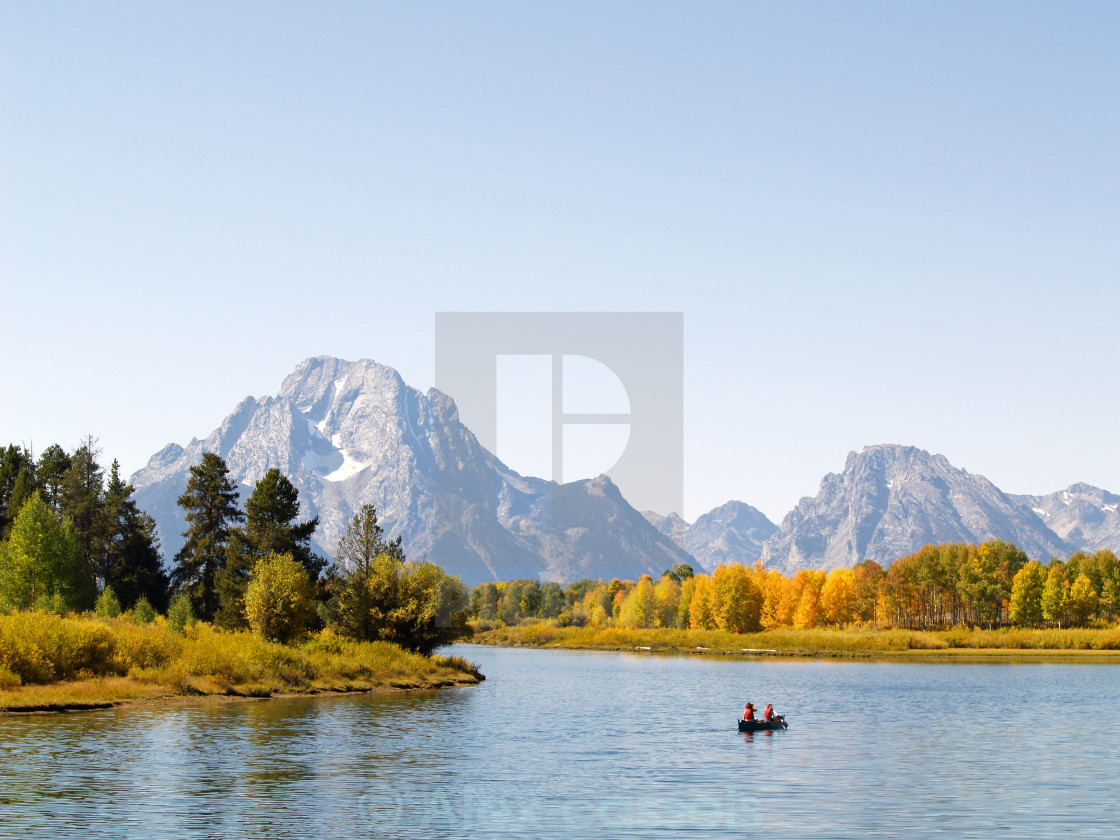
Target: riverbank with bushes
{"points": [[50, 662], [957, 642]]}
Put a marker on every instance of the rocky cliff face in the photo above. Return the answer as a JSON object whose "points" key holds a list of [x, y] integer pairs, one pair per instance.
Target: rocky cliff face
{"points": [[731, 533], [352, 433], [672, 526], [891, 500], [1085, 517]]}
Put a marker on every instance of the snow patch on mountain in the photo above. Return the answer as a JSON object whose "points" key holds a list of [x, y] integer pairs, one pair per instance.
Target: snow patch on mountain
{"points": [[351, 433], [349, 469], [890, 501]]}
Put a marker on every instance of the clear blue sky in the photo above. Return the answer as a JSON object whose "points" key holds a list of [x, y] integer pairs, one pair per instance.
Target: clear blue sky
{"points": [[884, 222]]}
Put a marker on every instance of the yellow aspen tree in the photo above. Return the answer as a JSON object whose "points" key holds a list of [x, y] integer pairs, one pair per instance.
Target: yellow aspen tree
{"points": [[738, 601], [684, 605], [773, 586], [701, 615], [808, 610], [1082, 600], [639, 606], [838, 597], [668, 595]]}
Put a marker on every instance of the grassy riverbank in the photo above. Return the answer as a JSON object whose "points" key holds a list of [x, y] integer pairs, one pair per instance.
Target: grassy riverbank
{"points": [[54, 663], [819, 642]]}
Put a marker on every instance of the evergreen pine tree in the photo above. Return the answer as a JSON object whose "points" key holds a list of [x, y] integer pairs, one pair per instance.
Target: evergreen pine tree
{"points": [[50, 472], [22, 489], [14, 461], [210, 506], [83, 501], [134, 568], [270, 528]]}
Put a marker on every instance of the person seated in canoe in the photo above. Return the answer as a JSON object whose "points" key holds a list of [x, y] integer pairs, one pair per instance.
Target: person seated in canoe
{"points": [[748, 713], [768, 712]]}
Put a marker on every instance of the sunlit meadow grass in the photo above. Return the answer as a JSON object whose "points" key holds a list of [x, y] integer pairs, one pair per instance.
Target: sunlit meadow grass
{"points": [[861, 641]]}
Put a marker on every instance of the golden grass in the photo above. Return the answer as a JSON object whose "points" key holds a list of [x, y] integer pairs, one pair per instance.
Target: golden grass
{"points": [[958, 642], [52, 662]]}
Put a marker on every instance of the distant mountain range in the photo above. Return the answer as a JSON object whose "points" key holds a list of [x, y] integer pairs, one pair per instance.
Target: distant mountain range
{"points": [[734, 532], [351, 433], [891, 500]]}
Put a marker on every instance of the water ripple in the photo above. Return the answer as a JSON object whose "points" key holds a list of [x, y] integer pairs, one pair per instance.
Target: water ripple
{"points": [[585, 745]]}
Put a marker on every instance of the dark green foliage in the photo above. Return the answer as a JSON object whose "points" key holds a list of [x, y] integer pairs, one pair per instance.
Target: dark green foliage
{"points": [[210, 506], [83, 501], [22, 489], [515, 600], [528, 598], [552, 600], [484, 601], [134, 568], [575, 592], [348, 578], [520, 599], [115, 542], [679, 573], [270, 525], [270, 528], [143, 612], [14, 462], [51, 471], [377, 594]]}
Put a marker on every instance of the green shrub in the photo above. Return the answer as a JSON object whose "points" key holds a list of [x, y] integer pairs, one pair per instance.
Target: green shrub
{"points": [[108, 605], [143, 612], [180, 615], [53, 603]]}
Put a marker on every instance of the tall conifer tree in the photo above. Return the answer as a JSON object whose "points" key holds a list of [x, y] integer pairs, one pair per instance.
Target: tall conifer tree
{"points": [[83, 501], [270, 527], [50, 472], [210, 506], [14, 461], [134, 568]]}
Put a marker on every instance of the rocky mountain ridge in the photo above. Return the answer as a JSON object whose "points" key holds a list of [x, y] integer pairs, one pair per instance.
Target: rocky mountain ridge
{"points": [[734, 532], [348, 433], [890, 500], [1085, 517], [351, 433]]}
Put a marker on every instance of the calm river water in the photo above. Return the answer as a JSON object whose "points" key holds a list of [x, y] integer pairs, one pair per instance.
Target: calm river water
{"points": [[589, 745]]}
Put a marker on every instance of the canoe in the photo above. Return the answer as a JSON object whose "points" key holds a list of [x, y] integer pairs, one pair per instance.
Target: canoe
{"points": [[778, 722]]}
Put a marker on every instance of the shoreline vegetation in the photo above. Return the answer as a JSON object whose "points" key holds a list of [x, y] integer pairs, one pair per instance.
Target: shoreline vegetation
{"points": [[91, 617], [957, 643], [53, 663]]}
